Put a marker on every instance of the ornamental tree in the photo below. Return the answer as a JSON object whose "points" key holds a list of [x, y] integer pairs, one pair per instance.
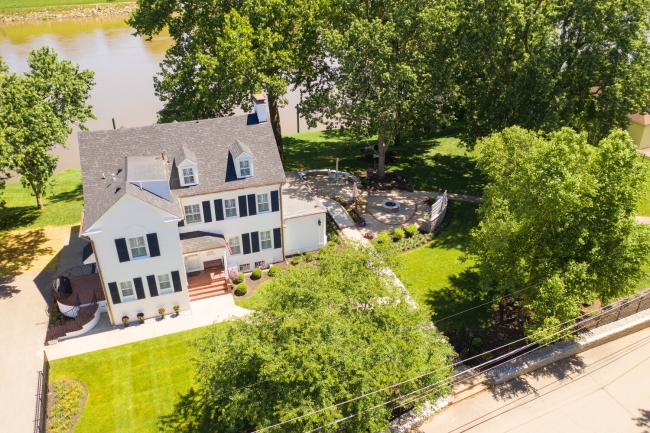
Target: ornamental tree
{"points": [[327, 332], [543, 65], [558, 220], [37, 111]]}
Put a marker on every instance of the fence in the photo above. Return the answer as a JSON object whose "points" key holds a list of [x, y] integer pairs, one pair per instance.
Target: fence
{"points": [[77, 271], [437, 215], [40, 412]]}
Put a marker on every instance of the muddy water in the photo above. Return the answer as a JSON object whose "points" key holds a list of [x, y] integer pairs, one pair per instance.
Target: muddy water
{"points": [[124, 67]]}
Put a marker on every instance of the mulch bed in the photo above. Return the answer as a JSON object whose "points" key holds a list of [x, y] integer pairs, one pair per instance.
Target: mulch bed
{"points": [[50, 404], [254, 284]]}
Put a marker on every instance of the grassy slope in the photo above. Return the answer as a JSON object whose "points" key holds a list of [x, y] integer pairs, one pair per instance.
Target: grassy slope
{"points": [[62, 208], [430, 162], [131, 386], [20, 4]]}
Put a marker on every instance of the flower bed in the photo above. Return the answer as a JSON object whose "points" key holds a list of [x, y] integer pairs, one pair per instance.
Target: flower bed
{"points": [[356, 216]]}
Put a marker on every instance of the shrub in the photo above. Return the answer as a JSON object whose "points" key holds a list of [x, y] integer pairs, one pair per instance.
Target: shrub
{"points": [[369, 235], [309, 256], [331, 244], [256, 274], [141, 317], [486, 355], [383, 237], [232, 273], [273, 271], [239, 278], [398, 233], [241, 289], [296, 259], [411, 230], [177, 309], [125, 320], [477, 342]]}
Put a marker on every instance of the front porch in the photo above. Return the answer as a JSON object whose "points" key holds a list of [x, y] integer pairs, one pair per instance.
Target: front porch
{"points": [[208, 282]]}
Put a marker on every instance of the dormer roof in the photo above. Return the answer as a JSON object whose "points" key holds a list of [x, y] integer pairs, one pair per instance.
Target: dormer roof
{"points": [[238, 148], [185, 154]]}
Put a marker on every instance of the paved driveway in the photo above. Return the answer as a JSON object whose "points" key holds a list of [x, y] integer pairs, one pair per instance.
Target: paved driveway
{"points": [[606, 389]]}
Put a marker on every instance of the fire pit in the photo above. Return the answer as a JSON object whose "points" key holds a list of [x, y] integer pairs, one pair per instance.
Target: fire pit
{"points": [[390, 206]]}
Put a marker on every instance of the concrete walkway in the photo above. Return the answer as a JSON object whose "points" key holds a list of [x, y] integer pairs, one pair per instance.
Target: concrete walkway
{"points": [[104, 335], [338, 213], [605, 389]]}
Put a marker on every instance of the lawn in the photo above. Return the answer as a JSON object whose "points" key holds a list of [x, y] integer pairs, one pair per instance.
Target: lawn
{"points": [[20, 4], [644, 206], [131, 386], [62, 208], [429, 161], [257, 300]]}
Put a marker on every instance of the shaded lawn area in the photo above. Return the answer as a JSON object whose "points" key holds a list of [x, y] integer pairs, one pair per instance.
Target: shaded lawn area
{"points": [[429, 161], [131, 386], [62, 208]]}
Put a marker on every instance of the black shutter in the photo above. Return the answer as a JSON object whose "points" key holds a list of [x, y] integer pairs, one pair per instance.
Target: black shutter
{"points": [[176, 278], [246, 240], [207, 212], [242, 206], [122, 251], [275, 201], [255, 240], [115, 295], [151, 282], [181, 223], [277, 239], [139, 289], [154, 248], [218, 210], [252, 207]]}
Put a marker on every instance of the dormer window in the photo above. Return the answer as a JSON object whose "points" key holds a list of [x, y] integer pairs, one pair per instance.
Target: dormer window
{"points": [[186, 164], [245, 168], [188, 176]]}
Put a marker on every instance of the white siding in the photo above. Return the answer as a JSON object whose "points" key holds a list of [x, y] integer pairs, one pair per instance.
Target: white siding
{"points": [[304, 234]]}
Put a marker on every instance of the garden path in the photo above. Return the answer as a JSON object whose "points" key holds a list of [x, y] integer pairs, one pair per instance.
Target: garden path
{"points": [[337, 212]]}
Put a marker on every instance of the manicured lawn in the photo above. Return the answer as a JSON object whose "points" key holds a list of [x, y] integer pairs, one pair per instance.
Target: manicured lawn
{"points": [[17, 4], [430, 162], [131, 386], [644, 206], [256, 301], [62, 208]]}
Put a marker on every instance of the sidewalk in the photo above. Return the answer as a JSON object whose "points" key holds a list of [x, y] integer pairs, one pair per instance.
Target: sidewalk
{"points": [[337, 212]]}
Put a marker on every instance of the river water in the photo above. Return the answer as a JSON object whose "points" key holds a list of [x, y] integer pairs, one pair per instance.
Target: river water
{"points": [[124, 67]]}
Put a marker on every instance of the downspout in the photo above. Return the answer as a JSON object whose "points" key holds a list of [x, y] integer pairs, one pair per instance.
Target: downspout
{"points": [[281, 222]]}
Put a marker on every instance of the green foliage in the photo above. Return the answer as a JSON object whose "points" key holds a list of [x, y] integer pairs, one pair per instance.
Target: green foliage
{"points": [[239, 279], [296, 259], [273, 271], [241, 289], [477, 342], [383, 237], [309, 256], [302, 353], [256, 274], [543, 65], [37, 110], [461, 332], [67, 404], [558, 219], [411, 230], [398, 234]]}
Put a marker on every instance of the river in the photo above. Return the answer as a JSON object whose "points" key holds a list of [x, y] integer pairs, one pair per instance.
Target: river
{"points": [[124, 67]]}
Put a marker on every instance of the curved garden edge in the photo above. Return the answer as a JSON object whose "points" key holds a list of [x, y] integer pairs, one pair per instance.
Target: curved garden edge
{"points": [[51, 401]]}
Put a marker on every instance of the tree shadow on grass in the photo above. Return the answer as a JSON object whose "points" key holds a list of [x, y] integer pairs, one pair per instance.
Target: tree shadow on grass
{"points": [[190, 415], [15, 218], [19, 250], [458, 235]]}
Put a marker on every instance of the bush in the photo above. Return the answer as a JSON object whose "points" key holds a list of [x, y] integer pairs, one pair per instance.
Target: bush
{"points": [[411, 230], [477, 342], [296, 259], [241, 289], [239, 279], [398, 234], [383, 237], [273, 271], [486, 355], [68, 394], [309, 256], [256, 274]]}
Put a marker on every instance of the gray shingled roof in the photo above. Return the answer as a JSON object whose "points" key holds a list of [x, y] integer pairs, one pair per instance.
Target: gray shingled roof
{"points": [[237, 148], [103, 152], [185, 153], [108, 193], [298, 199], [193, 242]]}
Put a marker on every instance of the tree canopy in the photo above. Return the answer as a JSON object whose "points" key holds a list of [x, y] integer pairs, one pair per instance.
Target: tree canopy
{"points": [[543, 65], [328, 332], [36, 114], [558, 220]]}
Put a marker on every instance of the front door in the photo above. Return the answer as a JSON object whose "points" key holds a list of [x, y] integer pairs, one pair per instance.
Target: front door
{"points": [[192, 263]]}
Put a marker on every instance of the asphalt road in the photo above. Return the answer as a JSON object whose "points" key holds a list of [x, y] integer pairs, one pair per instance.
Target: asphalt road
{"points": [[605, 389]]}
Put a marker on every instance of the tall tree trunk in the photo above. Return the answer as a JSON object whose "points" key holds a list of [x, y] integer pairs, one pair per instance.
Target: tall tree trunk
{"points": [[382, 145], [274, 114], [37, 194]]}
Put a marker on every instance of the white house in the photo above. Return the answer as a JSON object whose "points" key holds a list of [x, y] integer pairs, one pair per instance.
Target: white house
{"points": [[171, 208]]}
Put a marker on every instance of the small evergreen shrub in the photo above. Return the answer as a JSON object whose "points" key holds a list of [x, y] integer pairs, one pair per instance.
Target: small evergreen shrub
{"points": [[256, 274], [486, 355], [309, 256], [398, 234], [241, 289], [411, 230], [296, 259], [383, 237], [274, 271], [477, 342], [239, 279]]}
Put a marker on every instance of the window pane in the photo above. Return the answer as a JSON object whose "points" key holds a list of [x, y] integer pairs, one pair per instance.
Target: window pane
{"points": [[137, 247], [126, 288], [262, 202], [244, 168], [192, 213], [188, 175], [265, 238], [234, 245], [164, 282], [231, 208]]}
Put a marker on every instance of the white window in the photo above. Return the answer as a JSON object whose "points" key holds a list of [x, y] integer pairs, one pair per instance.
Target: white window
{"points": [[193, 213], [262, 203], [260, 265], [188, 176], [234, 245], [244, 168], [244, 268], [137, 246], [231, 208], [265, 239], [164, 284], [127, 290]]}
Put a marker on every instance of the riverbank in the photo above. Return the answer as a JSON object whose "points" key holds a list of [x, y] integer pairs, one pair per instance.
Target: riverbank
{"points": [[41, 10]]}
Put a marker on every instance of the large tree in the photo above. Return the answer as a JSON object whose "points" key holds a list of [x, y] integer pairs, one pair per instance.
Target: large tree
{"points": [[384, 70], [558, 220], [224, 52], [328, 332], [37, 112], [543, 65]]}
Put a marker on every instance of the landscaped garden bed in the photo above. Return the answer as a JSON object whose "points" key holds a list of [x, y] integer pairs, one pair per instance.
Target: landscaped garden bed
{"points": [[65, 401], [252, 281]]}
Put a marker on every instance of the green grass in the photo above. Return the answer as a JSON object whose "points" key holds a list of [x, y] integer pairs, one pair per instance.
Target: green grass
{"points": [[430, 162], [62, 208], [23, 4], [644, 206], [131, 386]]}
